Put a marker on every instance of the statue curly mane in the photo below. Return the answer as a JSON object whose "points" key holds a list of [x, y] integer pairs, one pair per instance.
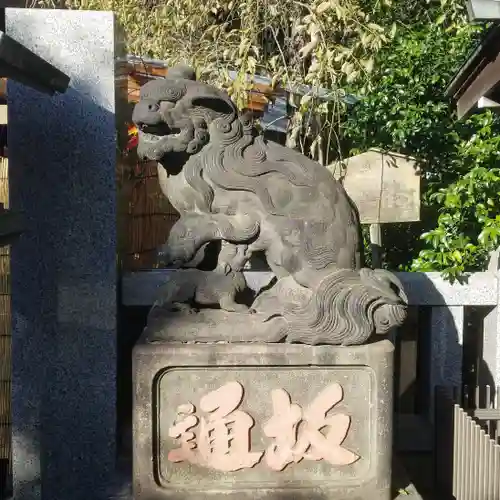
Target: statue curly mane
{"points": [[243, 164], [237, 159]]}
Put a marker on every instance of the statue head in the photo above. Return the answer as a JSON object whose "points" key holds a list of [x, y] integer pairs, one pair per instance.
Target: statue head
{"points": [[174, 114]]}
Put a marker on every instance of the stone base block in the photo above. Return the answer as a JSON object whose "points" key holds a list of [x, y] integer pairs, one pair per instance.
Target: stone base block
{"points": [[262, 421]]}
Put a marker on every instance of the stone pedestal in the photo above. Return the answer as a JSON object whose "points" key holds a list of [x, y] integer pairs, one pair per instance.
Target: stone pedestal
{"points": [[262, 421], [62, 159]]}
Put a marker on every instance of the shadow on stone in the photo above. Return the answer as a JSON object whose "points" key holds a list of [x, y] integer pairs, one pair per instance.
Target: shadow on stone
{"points": [[62, 154]]}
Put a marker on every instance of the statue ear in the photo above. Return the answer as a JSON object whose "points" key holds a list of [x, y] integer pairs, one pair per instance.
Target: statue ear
{"points": [[217, 104]]}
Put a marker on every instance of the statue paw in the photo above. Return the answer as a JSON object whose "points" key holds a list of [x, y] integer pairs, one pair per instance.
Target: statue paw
{"points": [[233, 307], [166, 257]]}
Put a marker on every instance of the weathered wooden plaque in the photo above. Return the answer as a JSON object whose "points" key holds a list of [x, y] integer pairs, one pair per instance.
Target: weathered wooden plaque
{"points": [[384, 186]]}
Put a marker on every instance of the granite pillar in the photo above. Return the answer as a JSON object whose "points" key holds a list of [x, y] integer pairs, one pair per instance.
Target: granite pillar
{"points": [[62, 158]]}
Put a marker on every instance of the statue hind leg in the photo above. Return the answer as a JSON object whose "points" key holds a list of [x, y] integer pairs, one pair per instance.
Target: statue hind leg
{"points": [[232, 257]]}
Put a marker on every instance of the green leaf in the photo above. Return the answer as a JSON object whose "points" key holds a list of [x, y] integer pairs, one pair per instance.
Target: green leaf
{"points": [[457, 256]]}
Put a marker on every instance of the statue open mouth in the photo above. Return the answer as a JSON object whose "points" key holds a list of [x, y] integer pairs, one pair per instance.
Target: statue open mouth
{"points": [[157, 130], [159, 133], [158, 140]]}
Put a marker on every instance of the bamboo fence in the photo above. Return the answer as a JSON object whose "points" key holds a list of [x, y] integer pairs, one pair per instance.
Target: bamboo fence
{"points": [[5, 313], [145, 215], [5, 329]]}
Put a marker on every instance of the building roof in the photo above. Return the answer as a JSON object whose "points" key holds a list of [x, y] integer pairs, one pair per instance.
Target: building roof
{"points": [[476, 83]]}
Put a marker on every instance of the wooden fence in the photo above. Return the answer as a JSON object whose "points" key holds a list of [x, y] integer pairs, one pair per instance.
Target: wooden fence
{"points": [[5, 340], [467, 450], [145, 217]]}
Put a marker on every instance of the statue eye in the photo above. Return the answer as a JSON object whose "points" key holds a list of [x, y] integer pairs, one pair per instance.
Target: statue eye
{"points": [[153, 106]]}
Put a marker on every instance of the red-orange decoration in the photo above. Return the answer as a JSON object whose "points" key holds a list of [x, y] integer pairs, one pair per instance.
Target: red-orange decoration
{"points": [[132, 138]]}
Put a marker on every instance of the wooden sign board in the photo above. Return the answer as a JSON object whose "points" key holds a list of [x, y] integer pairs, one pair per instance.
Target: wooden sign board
{"points": [[384, 186]]}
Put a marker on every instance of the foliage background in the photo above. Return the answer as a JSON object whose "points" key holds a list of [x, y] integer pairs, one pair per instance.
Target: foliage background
{"points": [[397, 56], [405, 109]]}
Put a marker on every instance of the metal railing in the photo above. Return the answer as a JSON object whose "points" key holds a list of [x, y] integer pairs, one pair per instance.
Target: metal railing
{"points": [[467, 450]]}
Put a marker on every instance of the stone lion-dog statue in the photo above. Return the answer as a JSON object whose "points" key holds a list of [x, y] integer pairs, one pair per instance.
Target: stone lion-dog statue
{"points": [[231, 185]]}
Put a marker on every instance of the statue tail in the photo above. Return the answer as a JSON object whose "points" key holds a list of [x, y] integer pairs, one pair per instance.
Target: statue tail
{"points": [[347, 308]]}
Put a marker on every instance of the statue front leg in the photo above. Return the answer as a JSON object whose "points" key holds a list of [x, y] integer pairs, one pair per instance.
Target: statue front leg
{"points": [[193, 231], [179, 249]]}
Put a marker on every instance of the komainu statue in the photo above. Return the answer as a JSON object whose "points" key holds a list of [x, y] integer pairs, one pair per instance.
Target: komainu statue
{"points": [[232, 186]]}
